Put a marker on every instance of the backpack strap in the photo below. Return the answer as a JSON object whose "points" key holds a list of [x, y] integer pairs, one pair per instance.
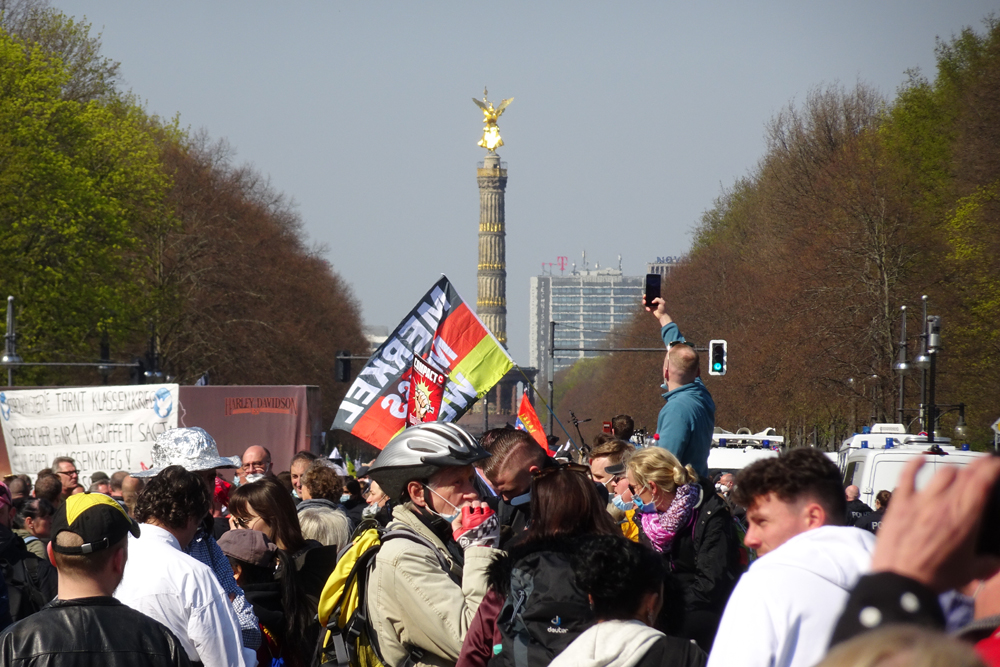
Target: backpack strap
{"points": [[414, 536]]}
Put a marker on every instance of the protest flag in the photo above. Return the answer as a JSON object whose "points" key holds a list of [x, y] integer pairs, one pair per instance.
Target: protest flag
{"points": [[527, 420], [443, 331]]}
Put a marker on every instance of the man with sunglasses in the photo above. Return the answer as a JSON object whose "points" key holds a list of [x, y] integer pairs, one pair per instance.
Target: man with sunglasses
{"points": [[687, 418]]}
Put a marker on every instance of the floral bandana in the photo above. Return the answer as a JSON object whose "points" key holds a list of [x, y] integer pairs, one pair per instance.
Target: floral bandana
{"points": [[662, 527]]}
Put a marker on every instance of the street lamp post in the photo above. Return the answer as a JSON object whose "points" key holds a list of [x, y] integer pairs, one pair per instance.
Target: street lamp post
{"points": [[10, 358]]}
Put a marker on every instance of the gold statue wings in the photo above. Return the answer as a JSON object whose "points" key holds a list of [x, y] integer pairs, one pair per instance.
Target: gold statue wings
{"points": [[491, 134]]}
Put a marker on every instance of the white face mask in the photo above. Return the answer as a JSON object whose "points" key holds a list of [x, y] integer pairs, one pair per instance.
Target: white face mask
{"points": [[254, 477], [447, 517], [722, 488]]}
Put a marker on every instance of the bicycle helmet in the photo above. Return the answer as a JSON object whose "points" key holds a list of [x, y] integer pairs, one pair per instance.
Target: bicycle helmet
{"points": [[420, 451]]}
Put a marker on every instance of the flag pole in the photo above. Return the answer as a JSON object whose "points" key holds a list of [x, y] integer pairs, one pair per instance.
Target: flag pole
{"points": [[531, 384]]}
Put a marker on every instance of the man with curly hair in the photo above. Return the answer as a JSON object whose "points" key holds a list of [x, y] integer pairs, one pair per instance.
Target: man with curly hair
{"points": [[784, 609], [163, 582]]}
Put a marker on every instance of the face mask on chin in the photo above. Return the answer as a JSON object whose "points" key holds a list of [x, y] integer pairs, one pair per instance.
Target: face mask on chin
{"points": [[447, 517], [642, 507], [621, 504]]}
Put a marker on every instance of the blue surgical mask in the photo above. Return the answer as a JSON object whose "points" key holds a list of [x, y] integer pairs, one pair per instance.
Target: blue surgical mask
{"points": [[643, 507], [522, 499], [344, 498], [621, 504]]}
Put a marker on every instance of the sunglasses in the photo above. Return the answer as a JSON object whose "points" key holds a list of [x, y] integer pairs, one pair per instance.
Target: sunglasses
{"points": [[242, 522], [572, 467], [674, 343]]}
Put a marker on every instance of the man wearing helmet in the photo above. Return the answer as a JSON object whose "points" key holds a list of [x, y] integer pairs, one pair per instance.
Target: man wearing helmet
{"points": [[424, 593]]}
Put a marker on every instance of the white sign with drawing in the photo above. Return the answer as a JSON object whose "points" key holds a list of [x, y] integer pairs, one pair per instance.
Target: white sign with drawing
{"points": [[101, 428]]}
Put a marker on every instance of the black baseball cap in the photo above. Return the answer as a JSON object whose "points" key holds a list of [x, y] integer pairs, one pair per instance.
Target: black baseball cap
{"points": [[95, 517], [615, 469]]}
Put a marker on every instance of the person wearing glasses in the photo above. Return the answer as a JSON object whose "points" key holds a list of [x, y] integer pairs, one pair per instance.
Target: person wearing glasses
{"points": [[687, 418], [36, 516], [65, 468], [256, 465], [690, 526]]}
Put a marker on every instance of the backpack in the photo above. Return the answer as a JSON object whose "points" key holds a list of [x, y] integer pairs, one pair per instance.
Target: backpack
{"points": [[347, 637], [543, 613], [23, 586]]}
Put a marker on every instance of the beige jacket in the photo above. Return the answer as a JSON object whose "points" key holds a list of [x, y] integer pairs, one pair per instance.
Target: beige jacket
{"points": [[413, 602]]}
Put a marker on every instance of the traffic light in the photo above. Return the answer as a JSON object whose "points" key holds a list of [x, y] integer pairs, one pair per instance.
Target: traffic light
{"points": [[717, 357], [342, 370]]}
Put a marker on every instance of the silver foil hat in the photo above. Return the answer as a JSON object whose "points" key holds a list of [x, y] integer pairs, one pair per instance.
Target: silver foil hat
{"points": [[191, 448]]}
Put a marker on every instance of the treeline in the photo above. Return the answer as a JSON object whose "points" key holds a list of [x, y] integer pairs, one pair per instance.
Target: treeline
{"points": [[859, 206], [119, 226]]}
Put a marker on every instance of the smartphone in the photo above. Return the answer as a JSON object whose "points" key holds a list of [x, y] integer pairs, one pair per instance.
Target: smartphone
{"points": [[652, 290]]}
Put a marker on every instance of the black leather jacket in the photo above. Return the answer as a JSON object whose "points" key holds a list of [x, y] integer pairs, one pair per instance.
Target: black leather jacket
{"points": [[90, 631]]}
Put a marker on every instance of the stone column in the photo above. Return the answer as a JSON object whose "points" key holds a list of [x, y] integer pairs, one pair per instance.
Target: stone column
{"points": [[491, 301]]}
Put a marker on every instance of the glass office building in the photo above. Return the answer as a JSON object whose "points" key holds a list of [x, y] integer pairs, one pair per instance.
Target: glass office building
{"points": [[586, 306]]}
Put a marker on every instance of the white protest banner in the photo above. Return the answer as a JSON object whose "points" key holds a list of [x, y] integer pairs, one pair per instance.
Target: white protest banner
{"points": [[101, 428]]}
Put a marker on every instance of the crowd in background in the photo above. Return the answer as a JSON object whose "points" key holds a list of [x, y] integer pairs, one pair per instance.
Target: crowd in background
{"points": [[448, 550]]}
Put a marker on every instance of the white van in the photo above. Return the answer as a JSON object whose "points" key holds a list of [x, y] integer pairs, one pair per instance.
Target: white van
{"points": [[732, 452], [873, 461]]}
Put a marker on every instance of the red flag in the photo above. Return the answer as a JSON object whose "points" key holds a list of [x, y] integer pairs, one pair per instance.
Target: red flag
{"points": [[527, 420]]}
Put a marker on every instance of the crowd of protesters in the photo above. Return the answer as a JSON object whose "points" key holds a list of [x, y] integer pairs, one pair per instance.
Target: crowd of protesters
{"points": [[494, 552]]}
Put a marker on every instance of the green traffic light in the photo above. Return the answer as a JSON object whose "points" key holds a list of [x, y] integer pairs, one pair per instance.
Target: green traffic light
{"points": [[717, 366]]}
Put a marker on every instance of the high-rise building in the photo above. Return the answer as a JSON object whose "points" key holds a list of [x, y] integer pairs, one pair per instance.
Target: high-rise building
{"points": [[586, 306]]}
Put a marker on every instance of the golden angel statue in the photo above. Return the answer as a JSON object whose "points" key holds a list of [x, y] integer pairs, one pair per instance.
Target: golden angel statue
{"points": [[491, 140]]}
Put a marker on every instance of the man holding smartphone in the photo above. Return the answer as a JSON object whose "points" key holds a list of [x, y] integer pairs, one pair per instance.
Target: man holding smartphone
{"points": [[687, 418]]}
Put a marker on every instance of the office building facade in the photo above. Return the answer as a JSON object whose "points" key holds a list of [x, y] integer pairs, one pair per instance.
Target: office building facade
{"points": [[586, 306]]}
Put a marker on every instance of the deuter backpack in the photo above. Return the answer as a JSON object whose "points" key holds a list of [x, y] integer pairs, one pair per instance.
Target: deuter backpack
{"points": [[347, 637], [544, 611]]}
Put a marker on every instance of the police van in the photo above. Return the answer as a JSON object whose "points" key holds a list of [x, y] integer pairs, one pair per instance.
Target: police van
{"points": [[873, 461], [732, 452]]}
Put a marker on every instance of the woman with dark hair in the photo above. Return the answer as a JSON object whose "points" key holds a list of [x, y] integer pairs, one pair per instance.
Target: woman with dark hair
{"points": [[266, 506], [36, 517], [624, 582], [285, 616], [534, 599]]}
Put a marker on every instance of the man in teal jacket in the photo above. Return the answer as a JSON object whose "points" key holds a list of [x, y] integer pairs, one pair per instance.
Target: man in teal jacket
{"points": [[687, 419]]}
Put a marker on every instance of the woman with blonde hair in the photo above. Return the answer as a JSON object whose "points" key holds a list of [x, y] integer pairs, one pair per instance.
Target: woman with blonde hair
{"points": [[690, 526]]}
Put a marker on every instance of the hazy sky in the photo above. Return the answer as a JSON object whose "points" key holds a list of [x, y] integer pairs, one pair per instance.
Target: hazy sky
{"points": [[628, 118]]}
